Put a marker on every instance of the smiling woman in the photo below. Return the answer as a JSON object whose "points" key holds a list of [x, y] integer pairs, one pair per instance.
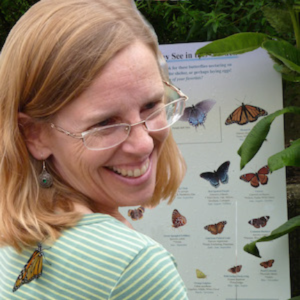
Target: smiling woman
{"points": [[85, 111]]}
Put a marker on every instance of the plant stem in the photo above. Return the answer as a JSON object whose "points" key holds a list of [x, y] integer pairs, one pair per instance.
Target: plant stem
{"points": [[295, 22]]}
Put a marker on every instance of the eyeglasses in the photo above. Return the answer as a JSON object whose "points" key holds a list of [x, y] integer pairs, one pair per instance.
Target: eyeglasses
{"points": [[106, 137]]}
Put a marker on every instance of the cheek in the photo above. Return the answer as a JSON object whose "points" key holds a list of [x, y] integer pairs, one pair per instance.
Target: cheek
{"points": [[160, 137]]}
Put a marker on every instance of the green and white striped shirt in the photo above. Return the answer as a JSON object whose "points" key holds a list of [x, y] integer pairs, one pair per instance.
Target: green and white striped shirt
{"points": [[99, 258]]}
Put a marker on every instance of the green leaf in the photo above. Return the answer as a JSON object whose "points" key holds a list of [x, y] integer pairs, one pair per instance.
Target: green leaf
{"points": [[288, 157], [235, 44], [285, 228], [295, 298], [285, 52], [279, 19], [258, 135]]}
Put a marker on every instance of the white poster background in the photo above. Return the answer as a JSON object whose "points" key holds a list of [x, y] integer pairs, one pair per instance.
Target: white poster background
{"points": [[229, 80]]}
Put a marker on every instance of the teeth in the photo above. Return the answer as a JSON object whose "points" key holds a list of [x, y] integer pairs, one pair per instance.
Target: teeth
{"points": [[131, 173]]}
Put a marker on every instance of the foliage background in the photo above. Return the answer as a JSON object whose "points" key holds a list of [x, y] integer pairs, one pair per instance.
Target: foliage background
{"points": [[200, 21]]}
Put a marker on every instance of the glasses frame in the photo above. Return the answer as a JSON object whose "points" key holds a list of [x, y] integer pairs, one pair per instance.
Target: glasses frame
{"points": [[81, 135]]}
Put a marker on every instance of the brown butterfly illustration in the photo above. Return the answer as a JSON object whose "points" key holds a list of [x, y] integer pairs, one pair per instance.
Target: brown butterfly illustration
{"points": [[244, 114], [235, 269], [216, 228], [136, 214], [259, 222], [267, 264], [256, 178], [178, 219]]}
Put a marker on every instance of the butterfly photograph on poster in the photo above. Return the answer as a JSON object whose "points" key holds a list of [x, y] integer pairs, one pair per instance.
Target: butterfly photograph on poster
{"points": [[200, 274], [235, 269], [215, 177], [216, 228], [178, 220], [259, 222], [267, 264], [256, 178], [196, 114], [244, 114], [32, 270], [136, 214]]}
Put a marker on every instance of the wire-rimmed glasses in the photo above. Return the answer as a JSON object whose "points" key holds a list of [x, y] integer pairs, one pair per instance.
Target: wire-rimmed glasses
{"points": [[106, 137]]}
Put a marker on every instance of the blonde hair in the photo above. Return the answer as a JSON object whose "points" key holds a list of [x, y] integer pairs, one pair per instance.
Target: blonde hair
{"points": [[51, 56]]}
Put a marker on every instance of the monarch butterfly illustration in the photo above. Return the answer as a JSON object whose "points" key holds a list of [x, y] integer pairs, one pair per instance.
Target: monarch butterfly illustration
{"points": [[267, 264], [259, 222], [244, 114], [235, 269], [256, 178], [32, 270], [200, 274], [178, 219], [136, 214], [196, 114], [217, 176], [216, 228]]}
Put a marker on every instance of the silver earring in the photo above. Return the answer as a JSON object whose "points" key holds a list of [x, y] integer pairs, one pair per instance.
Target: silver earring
{"points": [[45, 178]]}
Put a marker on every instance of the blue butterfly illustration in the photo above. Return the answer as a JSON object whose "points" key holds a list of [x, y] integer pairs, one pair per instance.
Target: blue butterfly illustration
{"points": [[196, 114], [218, 176]]}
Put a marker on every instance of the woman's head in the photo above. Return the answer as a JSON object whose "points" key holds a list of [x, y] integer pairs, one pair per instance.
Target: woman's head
{"points": [[51, 57]]}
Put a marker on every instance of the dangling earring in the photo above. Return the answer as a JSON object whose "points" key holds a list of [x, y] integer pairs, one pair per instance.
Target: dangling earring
{"points": [[45, 178]]}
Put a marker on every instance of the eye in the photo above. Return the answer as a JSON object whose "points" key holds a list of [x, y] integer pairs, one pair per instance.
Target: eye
{"points": [[151, 106], [106, 122]]}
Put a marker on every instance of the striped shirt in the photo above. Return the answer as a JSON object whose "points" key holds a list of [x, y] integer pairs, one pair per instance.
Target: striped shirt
{"points": [[99, 258]]}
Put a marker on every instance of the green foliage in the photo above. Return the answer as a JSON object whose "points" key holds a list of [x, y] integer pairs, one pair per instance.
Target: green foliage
{"points": [[187, 21]]}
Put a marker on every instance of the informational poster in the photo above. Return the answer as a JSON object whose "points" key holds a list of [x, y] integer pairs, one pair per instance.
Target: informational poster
{"points": [[220, 208]]}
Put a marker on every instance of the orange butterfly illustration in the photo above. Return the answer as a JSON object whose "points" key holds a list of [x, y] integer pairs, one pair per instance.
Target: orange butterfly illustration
{"points": [[256, 178], [244, 114], [235, 269], [136, 214], [178, 219], [216, 228], [32, 270], [267, 264], [259, 222]]}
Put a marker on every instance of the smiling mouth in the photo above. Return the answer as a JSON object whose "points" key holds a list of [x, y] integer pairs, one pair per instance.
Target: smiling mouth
{"points": [[131, 172]]}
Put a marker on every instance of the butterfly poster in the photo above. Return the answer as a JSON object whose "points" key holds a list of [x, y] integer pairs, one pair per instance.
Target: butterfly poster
{"points": [[219, 208]]}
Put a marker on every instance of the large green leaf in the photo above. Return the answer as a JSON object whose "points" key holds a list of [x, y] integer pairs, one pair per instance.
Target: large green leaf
{"points": [[288, 157], [285, 228], [258, 135], [285, 52], [235, 44]]}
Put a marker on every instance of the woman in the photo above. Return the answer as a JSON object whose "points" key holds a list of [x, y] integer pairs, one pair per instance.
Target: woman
{"points": [[85, 115]]}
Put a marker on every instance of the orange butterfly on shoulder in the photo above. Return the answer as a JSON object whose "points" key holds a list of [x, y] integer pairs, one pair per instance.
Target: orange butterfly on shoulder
{"points": [[136, 214], [256, 178], [244, 114], [216, 228], [178, 219], [235, 269], [267, 264], [32, 270]]}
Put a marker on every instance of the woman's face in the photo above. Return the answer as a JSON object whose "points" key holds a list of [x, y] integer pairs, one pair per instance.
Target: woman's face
{"points": [[126, 174]]}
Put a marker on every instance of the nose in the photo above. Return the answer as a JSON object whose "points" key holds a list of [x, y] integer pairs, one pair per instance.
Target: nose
{"points": [[139, 141]]}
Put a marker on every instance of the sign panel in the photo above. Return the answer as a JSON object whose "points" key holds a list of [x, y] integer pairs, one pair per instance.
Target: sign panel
{"points": [[218, 208]]}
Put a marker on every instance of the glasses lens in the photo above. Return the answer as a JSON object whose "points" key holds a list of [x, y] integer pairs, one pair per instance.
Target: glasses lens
{"points": [[166, 116], [104, 138]]}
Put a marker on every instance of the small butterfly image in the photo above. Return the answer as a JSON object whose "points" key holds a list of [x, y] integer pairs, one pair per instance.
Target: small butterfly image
{"points": [[259, 222], [244, 114], [256, 178], [216, 228], [267, 264], [200, 274], [235, 269], [136, 214], [32, 270], [178, 219], [196, 114], [217, 176]]}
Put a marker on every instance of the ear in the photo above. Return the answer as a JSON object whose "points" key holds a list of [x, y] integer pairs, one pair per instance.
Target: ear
{"points": [[35, 136]]}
